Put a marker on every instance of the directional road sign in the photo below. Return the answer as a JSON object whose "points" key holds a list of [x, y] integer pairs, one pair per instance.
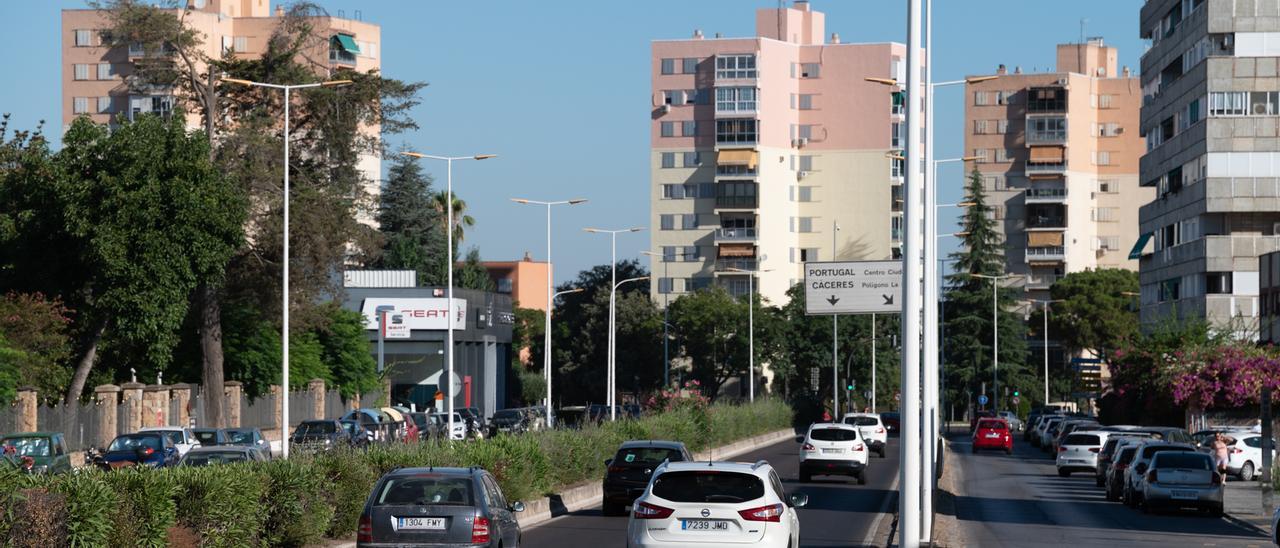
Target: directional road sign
{"points": [[982, 400], [853, 287]]}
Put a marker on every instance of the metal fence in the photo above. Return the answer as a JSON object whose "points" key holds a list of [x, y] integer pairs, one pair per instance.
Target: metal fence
{"points": [[78, 422], [333, 405], [8, 418], [258, 413]]}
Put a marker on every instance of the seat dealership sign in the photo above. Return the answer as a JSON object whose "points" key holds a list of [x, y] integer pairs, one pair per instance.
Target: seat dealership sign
{"points": [[417, 313]]}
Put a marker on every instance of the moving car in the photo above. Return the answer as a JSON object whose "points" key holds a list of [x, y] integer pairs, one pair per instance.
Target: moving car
{"points": [[37, 452], [832, 448], [181, 438], [1137, 472], [249, 437], [892, 421], [973, 422], [993, 434], [153, 448], [320, 435], [629, 471], [1078, 452], [718, 504], [220, 454], [1180, 479], [438, 507], [871, 428]]}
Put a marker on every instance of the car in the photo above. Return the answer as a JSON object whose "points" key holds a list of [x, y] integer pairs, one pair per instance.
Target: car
{"points": [[629, 471], [438, 507], [38, 452], [1275, 527], [427, 430], [973, 421], [508, 421], [153, 448], [1114, 484], [1244, 454], [1015, 424], [1045, 430], [459, 425], [360, 436], [1067, 427], [892, 421], [1110, 448], [833, 448], [249, 437], [871, 428], [992, 433], [475, 421], [320, 435], [209, 436], [207, 455], [716, 503], [1079, 452], [1136, 474], [180, 437], [1180, 479]]}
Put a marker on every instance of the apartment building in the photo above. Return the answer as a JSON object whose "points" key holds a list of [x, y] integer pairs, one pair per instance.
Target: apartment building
{"points": [[1209, 115], [762, 145], [1058, 155]]}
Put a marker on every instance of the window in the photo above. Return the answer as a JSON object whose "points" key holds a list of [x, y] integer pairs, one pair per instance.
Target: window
{"points": [[668, 129], [736, 194], [105, 71], [80, 105], [1002, 155], [736, 131], [668, 66], [104, 105], [1108, 129], [804, 101], [673, 192], [706, 190], [809, 70], [897, 134], [669, 253], [1228, 103], [802, 224], [802, 194], [691, 159], [691, 190], [689, 221], [667, 222], [982, 155], [996, 212], [84, 38], [668, 159], [1005, 97], [809, 254], [899, 102], [673, 97], [1102, 158], [242, 46], [983, 98], [1108, 186], [736, 99], [695, 96], [81, 72], [805, 163], [733, 170], [740, 66], [665, 285], [995, 182], [1217, 283], [1109, 243], [690, 65], [895, 228], [897, 167], [1170, 290], [691, 253], [1104, 214], [1046, 130], [688, 128], [1105, 101]]}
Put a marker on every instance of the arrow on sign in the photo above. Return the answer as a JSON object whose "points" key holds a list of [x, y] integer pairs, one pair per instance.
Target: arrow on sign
{"points": [[833, 300], [888, 299]]}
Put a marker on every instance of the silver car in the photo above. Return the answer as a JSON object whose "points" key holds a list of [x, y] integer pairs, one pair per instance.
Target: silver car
{"points": [[438, 507], [1136, 474], [1015, 423], [1179, 479]]}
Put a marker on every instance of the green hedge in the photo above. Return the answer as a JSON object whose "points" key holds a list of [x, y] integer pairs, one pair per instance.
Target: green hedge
{"points": [[302, 500]]}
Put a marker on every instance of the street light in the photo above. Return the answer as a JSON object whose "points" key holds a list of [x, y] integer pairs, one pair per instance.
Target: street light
{"points": [[546, 352], [613, 376], [1045, 304], [448, 206], [751, 328], [666, 339], [995, 333], [613, 279], [284, 292]]}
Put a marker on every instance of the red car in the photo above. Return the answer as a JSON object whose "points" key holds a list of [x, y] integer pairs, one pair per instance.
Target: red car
{"points": [[993, 434]]}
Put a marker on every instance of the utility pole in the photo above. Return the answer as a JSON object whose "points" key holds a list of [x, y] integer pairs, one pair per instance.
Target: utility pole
{"points": [[909, 464]]}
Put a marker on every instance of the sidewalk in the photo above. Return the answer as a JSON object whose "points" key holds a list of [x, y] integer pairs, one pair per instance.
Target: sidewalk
{"points": [[1244, 503]]}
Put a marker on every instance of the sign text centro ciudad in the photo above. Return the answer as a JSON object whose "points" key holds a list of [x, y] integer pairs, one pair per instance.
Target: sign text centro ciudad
{"points": [[853, 287]]}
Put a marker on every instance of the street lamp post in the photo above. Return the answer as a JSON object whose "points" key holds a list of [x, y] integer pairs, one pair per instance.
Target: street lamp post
{"points": [[995, 334], [284, 292], [546, 349], [613, 281], [666, 305], [751, 328], [546, 344], [1044, 303], [448, 206], [613, 374]]}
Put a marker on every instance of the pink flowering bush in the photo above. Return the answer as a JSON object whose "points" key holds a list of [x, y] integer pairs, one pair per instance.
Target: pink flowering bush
{"points": [[1232, 377], [687, 397]]}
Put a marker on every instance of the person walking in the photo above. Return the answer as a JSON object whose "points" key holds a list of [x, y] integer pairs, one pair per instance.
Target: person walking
{"points": [[1220, 452]]}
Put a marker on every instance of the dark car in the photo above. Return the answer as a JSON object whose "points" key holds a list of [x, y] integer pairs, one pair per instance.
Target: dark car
{"points": [[321, 435], [973, 421], [1114, 480], [508, 421], [207, 455], [427, 429], [249, 437], [629, 471], [892, 421], [153, 449], [438, 507], [357, 434], [209, 436], [475, 420], [37, 452]]}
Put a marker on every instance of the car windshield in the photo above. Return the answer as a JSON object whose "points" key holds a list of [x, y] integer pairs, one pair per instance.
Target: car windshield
{"points": [[176, 437], [862, 421], [507, 415], [427, 489], [1126, 455], [207, 437], [315, 428], [1082, 439], [1178, 459], [991, 425], [28, 447], [647, 455], [212, 457], [708, 486], [136, 441], [833, 434], [240, 437]]}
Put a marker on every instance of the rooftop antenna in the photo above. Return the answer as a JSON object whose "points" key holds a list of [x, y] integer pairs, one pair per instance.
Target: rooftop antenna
{"points": [[1080, 48]]}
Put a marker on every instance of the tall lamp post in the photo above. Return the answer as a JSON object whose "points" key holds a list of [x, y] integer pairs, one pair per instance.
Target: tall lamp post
{"points": [[995, 333], [448, 207], [546, 349], [284, 293], [613, 282], [546, 344], [1044, 305], [751, 328], [613, 374], [666, 339]]}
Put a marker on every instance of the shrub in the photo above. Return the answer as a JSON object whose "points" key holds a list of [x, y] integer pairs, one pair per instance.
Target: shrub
{"points": [[145, 510], [297, 513], [89, 504], [42, 520], [221, 504]]}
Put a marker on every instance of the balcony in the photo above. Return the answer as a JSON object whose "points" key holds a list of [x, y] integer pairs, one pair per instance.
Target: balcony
{"points": [[735, 235], [1047, 100], [1045, 195], [1047, 222], [1041, 281], [1044, 254], [1045, 168], [1046, 137], [725, 266], [737, 202]]}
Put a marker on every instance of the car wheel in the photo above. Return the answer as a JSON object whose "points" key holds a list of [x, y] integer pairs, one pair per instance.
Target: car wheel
{"points": [[612, 509], [805, 477], [1216, 511], [1063, 473], [1008, 450], [1111, 495], [1246, 472], [881, 451], [862, 478]]}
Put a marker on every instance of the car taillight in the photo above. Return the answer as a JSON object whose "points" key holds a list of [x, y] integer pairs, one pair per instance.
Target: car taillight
{"points": [[615, 469], [772, 512], [364, 531], [807, 447], [644, 510], [858, 447], [1236, 450], [480, 530], [879, 430], [1062, 448], [1151, 476], [148, 451], [1095, 449]]}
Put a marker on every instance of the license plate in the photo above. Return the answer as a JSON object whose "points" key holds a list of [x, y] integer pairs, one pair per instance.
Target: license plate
{"points": [[1183, 495], [829, 450], [427, 524], [704, 525], [992, 435]]}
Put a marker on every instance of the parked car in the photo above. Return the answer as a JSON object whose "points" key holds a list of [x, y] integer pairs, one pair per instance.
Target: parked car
{"points": [[1110, 448], [360, 436], [209, 436], [833, 448], [320, 435], [573, 416], [723, 503], [220, 454], [871, 428], [1067, 427], [1015, 424], [509, 421], [892, 421], [1117, 471], [249, 437], [973, 421], [629, 471], [1244, 456], [37, 452], [1275, 527], [992, 433], [438, 507], [1180, 479], [1137, 472], [1048, 432], [153, 448], [459, 425], [1078, 452], [181, 438], [475, 421]]}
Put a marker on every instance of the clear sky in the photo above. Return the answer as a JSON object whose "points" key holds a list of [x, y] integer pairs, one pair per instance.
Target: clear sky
{"points": [[560, 90]]}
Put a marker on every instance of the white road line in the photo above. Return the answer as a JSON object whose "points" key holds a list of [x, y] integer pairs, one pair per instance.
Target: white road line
{"points": [[870, 539]]}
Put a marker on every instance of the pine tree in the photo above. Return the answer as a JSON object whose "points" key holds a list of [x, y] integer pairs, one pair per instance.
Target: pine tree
{"points": [[411, 225]]}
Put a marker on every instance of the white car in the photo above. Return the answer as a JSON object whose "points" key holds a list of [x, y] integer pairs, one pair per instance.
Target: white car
{"points": [[1010, 417], [1079, 452], [1244, 456], [833, 448], [871, 428], [715, 504], [459, 425], [1044, 432], [180, 437]]}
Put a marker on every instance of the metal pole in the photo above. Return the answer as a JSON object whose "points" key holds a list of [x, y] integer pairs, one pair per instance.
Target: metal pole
{"points": [[666, 339], [751, 336], [1046, 353], [873, 362], [382, 334], [546, 325], [613, 267], [929, 356], [995, 344], [284, 295], [835, 335], [909, 471], [448, 351]]}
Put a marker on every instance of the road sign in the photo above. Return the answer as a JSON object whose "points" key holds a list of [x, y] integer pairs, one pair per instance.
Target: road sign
{"points": [[982, 399], [1015, 400], [853, 287]]}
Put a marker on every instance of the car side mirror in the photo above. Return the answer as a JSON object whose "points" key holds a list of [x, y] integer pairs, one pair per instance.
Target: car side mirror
{"points": [[517, 506], [799, 439], [799, 500]]}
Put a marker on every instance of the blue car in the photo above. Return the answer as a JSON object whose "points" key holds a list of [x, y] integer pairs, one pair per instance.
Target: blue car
{"points": [[139, 449]]}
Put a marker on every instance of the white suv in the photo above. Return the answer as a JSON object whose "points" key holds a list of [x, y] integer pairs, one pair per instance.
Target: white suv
{"points": [[832, 448], [871, 428], [715, 503]]}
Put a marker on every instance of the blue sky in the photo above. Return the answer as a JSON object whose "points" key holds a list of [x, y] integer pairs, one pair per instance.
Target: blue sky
{"points": [[560, 90]]}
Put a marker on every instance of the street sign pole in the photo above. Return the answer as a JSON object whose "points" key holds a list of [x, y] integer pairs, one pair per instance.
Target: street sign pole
{"points": [[909, 469], [873, 362]]}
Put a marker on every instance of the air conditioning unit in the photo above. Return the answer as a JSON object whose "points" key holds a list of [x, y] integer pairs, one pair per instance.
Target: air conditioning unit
{"points": [[800, 143], [1120, 131], [1228, 40], [1275, 229], [1259, 108], [802, 174], [666, 109], [1062, 81]]}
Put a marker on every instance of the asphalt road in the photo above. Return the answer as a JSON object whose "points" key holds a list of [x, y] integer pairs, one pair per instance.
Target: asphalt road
{"points": [[1019, 500], [840, 512]]}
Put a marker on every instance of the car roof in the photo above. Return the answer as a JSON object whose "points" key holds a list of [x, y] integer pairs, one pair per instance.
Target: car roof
{"points": [[992, 419], [17, 435], [162, 429], [439, 470], [220, 449], [665, 444], [839, 425], [873, 415], [721, 466]]}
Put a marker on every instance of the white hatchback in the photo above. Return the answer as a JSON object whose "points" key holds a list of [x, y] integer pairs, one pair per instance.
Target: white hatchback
{"points": [[833, 448], [871, 428], [715, 504], [1079, 452], [1244, 457]]}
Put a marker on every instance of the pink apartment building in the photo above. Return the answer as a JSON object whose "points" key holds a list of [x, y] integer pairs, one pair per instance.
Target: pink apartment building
{"points": [[762, 145]]}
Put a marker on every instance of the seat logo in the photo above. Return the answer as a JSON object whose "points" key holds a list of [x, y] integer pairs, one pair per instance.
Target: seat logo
{"points": [[706, 513]]}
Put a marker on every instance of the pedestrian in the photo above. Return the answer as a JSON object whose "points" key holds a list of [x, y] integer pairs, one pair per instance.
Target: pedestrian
{"points": [[1220, 452]]}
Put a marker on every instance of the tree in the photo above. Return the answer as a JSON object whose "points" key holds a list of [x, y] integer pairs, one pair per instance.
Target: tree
{"points": [[37, 329], [471, 274], [345, 351], [968, 309], [410, 223], [11, 360], [528, 331], [711, 330], [461, 220], [1097, 311]]}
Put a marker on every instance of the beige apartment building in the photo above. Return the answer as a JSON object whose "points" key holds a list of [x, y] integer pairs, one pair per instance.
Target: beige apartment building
{"points": [[1058, 154], [762, 145]]}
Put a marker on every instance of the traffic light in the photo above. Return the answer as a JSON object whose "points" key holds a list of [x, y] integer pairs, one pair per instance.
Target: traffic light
{"points": [[849, 387], [1015, 393]]}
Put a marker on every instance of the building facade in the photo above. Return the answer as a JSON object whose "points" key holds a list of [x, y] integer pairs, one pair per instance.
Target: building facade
{"points": [[1058, 156], [761, 146], [1209, 115], [524, 280]]}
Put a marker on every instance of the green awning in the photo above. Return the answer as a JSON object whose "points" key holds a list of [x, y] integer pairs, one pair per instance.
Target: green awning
{"points": [[899, 98], [348, 43], [1136, 252]]}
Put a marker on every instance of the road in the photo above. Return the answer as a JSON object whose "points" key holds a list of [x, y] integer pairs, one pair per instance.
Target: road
{"points": [[1019, 500], [840, 512]]}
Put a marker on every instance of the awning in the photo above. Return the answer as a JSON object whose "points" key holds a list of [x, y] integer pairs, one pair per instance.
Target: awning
{"points": [[1044, 239], [347, 42], [1136, 252], [737, 250], [749, 158], [899, 98], [1047, 154]]}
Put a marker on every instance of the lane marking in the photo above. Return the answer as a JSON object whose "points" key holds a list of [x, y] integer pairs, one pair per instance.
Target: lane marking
{"points": [[869, 540]]}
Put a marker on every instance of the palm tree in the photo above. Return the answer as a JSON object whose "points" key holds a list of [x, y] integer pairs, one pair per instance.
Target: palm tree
{"points": [[460, 219]]}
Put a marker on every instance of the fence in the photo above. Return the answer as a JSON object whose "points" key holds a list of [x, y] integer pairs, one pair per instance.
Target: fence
{"points": [[8, 418], [78, 423]]}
